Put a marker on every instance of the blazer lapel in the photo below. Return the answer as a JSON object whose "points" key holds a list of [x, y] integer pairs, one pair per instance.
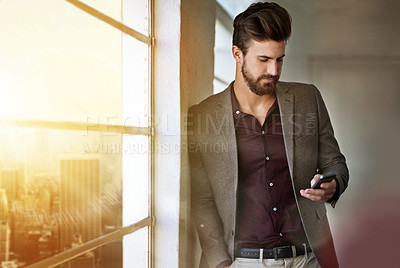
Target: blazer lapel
{"points": [[286, 107], [224, 120]]}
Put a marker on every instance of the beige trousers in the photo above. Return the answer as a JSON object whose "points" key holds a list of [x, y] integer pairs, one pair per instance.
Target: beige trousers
{"points": [[303, 261]]}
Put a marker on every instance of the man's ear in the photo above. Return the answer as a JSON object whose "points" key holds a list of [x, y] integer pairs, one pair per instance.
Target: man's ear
{"points": [[237, 54]]}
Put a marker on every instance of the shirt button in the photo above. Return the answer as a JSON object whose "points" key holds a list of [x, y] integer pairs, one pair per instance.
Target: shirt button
{"points": [[280, 234], [271, 184], [267, 158], [275, 209], [263, 132], [237, 112]]}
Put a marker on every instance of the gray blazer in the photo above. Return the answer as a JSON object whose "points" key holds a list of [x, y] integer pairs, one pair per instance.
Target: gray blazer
{"points": [[310, 148]]}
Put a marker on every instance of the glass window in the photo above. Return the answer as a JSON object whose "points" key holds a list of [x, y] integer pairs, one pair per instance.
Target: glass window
{"points": [[75, 164], [224, 64]]}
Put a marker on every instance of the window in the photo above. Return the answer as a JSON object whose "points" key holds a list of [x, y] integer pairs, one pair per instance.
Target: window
{"points": [[76, 133], [224, 64]]}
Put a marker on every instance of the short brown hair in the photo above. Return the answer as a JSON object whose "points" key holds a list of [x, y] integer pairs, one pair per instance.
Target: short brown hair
{"points": [[261, 21]]}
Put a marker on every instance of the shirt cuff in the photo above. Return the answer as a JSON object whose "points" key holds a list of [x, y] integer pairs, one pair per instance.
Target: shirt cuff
{"points": [[224, 264]]}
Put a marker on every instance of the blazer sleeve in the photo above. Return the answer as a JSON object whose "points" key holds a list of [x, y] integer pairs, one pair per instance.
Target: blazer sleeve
{"points": [[330, 159], [204, 211]]}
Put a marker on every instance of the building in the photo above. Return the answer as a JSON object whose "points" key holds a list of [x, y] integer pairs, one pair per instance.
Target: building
{"points": [[85, 261], [4, 227], [4, 241], [9, 182], [38, 229], [80, 188], [9, 264], [3, 205]]}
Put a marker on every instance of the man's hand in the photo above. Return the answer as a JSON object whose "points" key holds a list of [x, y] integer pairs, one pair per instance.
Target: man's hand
{"points": [[326, 192]]}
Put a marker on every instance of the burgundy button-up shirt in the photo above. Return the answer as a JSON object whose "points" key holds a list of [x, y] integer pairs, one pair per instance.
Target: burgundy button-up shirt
{"points": [[267, 214]]}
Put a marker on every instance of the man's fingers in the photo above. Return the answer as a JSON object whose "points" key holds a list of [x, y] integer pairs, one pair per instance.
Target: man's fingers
{"points": [[317, 192], [326, 192], [315, 178], [330, 187], [307, 194], [324, 185]]}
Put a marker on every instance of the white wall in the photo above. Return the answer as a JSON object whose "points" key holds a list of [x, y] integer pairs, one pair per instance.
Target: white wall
{"points": [[350, 50], [197, 73], [184, 69]]}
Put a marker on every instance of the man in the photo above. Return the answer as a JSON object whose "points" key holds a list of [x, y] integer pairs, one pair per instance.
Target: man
{"points": [[255, 150]]}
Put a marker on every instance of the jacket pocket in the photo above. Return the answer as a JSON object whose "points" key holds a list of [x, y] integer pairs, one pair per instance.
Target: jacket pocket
{"points": [[318, 212]]}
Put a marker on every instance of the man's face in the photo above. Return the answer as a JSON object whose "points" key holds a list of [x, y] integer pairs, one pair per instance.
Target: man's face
{"points": [[262, 66]]}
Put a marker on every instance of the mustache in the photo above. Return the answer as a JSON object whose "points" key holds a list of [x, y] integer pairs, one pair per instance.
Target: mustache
{"points": [[267, 76]]}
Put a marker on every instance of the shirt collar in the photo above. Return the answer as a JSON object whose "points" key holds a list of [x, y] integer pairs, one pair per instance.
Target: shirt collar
{"points": [[236, 111]]}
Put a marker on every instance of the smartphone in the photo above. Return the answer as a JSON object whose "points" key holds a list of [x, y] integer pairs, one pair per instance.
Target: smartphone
{"points": [[324, 178]]}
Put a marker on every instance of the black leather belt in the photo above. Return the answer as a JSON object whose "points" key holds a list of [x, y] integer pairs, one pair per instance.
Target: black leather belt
{"points": [[272, 253]]}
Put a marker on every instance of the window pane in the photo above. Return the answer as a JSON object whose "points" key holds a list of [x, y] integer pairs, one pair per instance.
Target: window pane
{"points": [[62, 188], [105, 7], [135, 178], [135, 12], [218, 86], [59, 63], [106, 256], [224, 64], [136, 15], [136, 249], [135, 82]]}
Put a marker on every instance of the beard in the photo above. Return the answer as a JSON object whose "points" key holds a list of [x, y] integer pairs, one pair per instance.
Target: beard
{"points": [[256, 85]]}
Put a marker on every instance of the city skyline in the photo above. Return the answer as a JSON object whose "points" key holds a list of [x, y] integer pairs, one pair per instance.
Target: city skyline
{"points": [[48, 196]]}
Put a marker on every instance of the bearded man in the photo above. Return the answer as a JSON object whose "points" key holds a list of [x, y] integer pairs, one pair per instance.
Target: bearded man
{"points": [[252, 200]]}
